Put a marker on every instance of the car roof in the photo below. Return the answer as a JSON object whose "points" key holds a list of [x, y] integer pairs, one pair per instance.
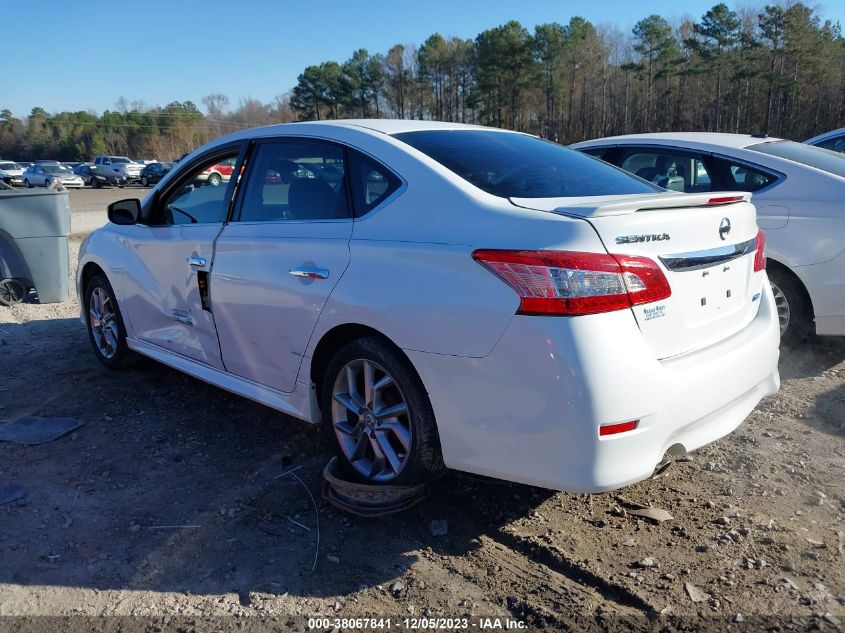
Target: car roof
{"points": [[700, 140]]}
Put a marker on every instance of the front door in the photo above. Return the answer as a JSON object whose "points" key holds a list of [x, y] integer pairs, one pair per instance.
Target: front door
{"points": [[279, 259], [171, 258]]}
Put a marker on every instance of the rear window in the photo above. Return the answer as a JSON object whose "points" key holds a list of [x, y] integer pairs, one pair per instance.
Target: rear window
{"points": [[516, 165], [817, 157]]}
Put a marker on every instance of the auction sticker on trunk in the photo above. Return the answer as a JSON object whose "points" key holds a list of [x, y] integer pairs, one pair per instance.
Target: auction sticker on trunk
{"points": [[654, 312]]}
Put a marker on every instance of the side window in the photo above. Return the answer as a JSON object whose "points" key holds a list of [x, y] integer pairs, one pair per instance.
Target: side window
{"points": [[836, 144], [198, 199], [598, 152], [675, 171], [372, 182], [744, 178], [295, 180]]}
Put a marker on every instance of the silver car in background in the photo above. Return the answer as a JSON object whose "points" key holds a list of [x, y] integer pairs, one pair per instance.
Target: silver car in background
{"points": [[43, 174], [799, 192]]}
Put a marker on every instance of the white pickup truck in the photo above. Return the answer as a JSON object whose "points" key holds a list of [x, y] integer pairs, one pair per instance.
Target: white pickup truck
{"points": [[121, 166]]}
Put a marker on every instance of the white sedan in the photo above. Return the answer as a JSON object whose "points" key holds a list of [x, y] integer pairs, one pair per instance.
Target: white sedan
{"points": [[43, 175], [445, 295], [799, 192], [11, 173]]}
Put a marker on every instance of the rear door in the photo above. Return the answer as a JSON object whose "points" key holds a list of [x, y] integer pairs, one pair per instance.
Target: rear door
{"points": [[279, 259], [705, 248]]}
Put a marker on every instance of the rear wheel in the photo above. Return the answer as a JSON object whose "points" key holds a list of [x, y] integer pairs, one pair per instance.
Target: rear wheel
{"points": [[105, 325], [378, 417], [794, 314], [214, 180]]}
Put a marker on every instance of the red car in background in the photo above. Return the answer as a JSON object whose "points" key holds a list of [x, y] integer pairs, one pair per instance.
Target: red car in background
{"points": [[216, 174]]}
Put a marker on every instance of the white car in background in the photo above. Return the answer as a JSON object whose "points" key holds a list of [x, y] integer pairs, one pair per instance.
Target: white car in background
{"points": [[441, 294], [43, 175], [833, 140], [799, 192], [11, 173]]}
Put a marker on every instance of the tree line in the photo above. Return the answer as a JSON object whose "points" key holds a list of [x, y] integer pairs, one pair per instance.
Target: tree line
{"points": [[776, 69]]}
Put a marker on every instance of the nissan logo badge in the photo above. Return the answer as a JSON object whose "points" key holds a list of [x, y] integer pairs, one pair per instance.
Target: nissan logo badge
{"points": [[724, 228]]}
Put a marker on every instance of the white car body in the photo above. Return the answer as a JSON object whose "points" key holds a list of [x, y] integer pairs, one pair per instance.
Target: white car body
{"points": [[802, 212], [43, 174], [11, 173], [515, 396], [833, 140]]}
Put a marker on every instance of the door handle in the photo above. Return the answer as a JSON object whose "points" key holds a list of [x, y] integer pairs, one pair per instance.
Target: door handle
{"points": [[309, 273], [199, 262]]}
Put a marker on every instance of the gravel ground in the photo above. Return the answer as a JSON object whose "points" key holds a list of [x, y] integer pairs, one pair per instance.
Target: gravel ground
{"points": [[165, 506]]}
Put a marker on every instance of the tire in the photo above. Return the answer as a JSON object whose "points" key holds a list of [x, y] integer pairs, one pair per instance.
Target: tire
{"points": [[794, 312], [26, 184], [12, 292], [145, 182], [408, 439], [111, 350], [95, 184], [214, 179]]}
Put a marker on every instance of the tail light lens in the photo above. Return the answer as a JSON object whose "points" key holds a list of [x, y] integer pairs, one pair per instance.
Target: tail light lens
{"points": [[569, 283], [760, 251]]}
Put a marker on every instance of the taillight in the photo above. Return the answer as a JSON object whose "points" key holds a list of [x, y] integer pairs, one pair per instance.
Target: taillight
{"points": [[571, 283], [760, 251]]}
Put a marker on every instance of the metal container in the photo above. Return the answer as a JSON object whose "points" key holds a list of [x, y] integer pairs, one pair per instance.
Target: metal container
{"points": [[34, 230]]}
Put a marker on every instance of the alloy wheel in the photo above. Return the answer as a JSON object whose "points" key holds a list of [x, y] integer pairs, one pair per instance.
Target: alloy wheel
{"points": [[371, 421], [782, 306], [103, 322]]}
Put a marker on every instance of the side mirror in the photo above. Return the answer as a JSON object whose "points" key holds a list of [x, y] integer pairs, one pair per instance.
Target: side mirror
{"points": [[125, 212]]}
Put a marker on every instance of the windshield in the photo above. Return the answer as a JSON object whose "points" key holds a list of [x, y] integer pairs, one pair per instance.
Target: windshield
{"points": [[521, 166], [9, 166], [56, 169], [826, 160], [120, 159]]}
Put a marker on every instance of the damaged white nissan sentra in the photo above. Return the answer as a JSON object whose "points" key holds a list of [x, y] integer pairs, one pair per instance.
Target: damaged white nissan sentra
{"points": [[445, 295]]}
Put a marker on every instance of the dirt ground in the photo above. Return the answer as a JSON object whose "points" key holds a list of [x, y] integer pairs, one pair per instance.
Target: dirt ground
{"points": [[167, 506]]}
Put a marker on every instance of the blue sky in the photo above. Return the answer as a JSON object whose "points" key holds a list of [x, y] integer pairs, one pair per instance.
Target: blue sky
{"points": [[83, 56]]}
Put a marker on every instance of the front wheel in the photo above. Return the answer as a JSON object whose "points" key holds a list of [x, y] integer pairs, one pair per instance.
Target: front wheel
{"points": [[105, 325], [27, 183], [215, 179], [378, 417], [145, 182], [794, 314]]}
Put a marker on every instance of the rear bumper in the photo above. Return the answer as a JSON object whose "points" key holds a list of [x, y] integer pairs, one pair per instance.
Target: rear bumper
{"points": [[530, 411]]}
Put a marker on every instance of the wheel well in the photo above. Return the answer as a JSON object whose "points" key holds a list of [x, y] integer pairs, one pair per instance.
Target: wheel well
{"points": [[333, 341], [785, 270], [89, 271]]}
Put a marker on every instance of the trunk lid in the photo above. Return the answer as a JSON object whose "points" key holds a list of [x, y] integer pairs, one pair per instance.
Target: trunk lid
{"points": [[705, 245]]}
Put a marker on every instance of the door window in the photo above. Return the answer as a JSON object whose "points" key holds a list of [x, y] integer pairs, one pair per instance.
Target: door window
{"points": [[296, 180], [372, 182], [675, 171], [198, 199]]}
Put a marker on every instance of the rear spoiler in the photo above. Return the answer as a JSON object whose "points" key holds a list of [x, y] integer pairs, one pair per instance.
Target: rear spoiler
{"points": [[624, 205]]}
